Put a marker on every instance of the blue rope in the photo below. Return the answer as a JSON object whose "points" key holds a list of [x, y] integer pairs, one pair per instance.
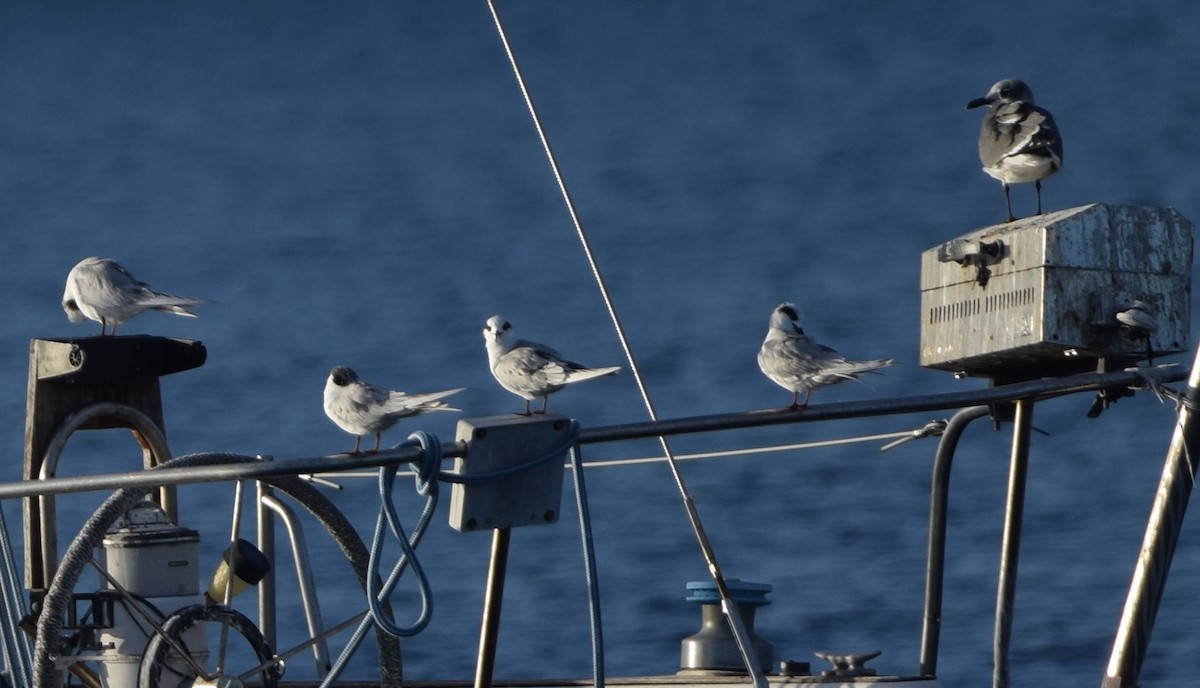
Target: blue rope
{"points": [[431, 459], [553, 454], [589, 565], [431, 456], [430, 464], [428, 475]]}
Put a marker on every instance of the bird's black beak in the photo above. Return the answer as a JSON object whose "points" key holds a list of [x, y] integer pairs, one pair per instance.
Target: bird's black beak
{"points": [[978, 102]]}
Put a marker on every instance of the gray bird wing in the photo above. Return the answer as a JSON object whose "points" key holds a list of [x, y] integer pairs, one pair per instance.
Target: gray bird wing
{"points": [[532, 368], [369, 397], [796, 356], [138, 291], [1017, 128]]}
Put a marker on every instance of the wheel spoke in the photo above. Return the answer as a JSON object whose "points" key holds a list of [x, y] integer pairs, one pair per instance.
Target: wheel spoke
{"points": [[184, 620]]}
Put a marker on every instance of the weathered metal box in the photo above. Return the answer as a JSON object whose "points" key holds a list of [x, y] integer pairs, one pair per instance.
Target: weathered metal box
{"points": [[530, 496], [1040, 296]]}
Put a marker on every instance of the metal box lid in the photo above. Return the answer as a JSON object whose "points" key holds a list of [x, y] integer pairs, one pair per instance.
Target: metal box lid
{"points": [[1040, 296]]}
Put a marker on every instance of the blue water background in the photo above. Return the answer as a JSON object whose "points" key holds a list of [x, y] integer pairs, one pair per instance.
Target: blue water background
{"points": [[360, 184]]}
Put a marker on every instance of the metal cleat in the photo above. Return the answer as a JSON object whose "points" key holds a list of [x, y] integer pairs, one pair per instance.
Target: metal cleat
{"points": [[848, 665]]}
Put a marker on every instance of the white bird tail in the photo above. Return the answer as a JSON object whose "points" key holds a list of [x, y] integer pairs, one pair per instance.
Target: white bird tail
{"points": [[172, 304], [581, 374], [428, 401], [851, 369]]}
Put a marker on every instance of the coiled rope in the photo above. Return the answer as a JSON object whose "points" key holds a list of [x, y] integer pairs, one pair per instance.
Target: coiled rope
{"points": [[376, 595], [428, 474], [427, 486]]}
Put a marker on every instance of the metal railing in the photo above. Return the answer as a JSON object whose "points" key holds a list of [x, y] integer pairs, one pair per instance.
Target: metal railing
{"points": [[973, 404], [268, 466]]}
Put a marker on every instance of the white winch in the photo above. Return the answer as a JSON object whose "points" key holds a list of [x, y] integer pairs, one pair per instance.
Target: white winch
{"points": [[156, 563]]}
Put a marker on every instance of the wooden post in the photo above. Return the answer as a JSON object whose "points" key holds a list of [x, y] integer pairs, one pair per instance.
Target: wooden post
{"points": [[67, 376]]}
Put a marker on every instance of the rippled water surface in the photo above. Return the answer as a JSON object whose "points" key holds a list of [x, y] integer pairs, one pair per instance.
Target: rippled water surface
{"points": [[360, 185]]}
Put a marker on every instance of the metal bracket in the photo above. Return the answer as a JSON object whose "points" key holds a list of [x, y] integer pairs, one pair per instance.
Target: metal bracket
{"points": [[976, 252], [527, 497]]}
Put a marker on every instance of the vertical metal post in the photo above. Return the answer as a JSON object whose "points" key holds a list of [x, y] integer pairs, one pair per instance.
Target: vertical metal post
{"points": [[1158, 545], [492, 599], [304, 581], [935, 558], [266, 545], [1010, 547]]}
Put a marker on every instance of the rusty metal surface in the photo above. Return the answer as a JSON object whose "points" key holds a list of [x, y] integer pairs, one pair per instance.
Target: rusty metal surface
{"points": [[1045, 298]]}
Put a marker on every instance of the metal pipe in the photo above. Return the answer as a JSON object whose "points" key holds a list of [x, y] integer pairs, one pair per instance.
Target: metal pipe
{"points": [[304, 580], [589, 566], [148, 435], [1037, 389], [1158, 545], [212, 474], [1010, 547], [492, 601], [288, 654], [1034, 389], [235, 527], [935, 560], [266, 545]]}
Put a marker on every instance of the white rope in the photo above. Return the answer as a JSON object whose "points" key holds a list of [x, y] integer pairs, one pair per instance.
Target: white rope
{"points": [[750, 451], [323, 478]]}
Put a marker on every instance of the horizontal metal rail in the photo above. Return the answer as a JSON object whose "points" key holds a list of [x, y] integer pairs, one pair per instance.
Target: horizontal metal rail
{"points": [[1036, 389]]}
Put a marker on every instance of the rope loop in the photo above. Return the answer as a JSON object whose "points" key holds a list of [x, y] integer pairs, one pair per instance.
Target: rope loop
{"points": [[426, 485], [428, 474], [431, 460]]}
